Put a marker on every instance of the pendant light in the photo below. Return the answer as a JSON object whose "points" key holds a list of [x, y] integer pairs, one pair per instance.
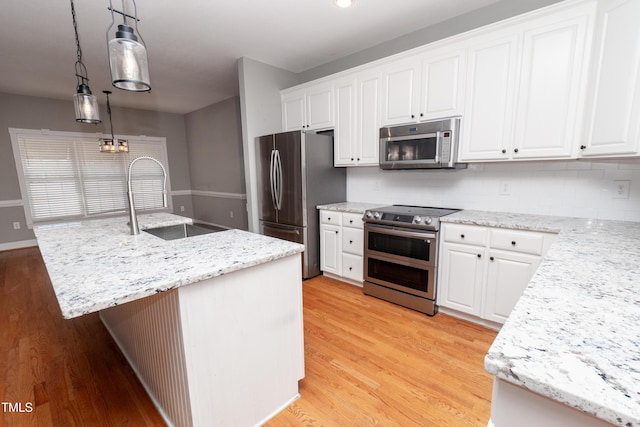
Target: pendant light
{"points": [[113, 144], [84, 102], [127, 56]]}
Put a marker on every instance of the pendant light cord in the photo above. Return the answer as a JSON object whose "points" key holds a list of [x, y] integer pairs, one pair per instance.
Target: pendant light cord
{"points": [[113, 138], [81, 71]]}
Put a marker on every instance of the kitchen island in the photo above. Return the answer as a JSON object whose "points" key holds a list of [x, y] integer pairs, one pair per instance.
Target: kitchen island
{"points": [[211, 324], [569, 352]]}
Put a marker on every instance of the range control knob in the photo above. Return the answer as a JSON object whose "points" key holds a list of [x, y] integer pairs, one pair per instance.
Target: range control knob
{"points": [[428, 220], [376, 215], [417, 219], [368, 214]]}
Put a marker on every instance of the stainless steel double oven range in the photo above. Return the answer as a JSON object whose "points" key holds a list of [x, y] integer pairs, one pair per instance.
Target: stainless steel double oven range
{"points": [[401, 255]]}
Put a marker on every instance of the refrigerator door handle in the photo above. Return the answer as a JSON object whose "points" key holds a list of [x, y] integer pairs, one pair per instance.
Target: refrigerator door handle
{"points": [[278, 180], [272, 179]]}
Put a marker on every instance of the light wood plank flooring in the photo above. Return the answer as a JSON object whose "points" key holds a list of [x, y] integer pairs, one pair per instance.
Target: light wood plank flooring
{"points": [[368, 362]]}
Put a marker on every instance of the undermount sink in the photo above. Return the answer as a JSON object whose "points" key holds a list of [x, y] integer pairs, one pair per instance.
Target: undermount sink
{"points": [[181, 231]]}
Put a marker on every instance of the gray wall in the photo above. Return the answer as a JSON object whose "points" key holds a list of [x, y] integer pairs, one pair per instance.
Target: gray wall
{"points": [[42, 113], [474, 19], [214, 138]]}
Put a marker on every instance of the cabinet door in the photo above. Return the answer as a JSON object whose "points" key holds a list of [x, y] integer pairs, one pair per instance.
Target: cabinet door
{"points": [[487, 127], [293, 111], [330, 253], [441, 85], [400, 91], [461, 278], [613, 120], [507, 277], [320, 107], [352, 267], [368, 120], [345, 135], [551, 90]]}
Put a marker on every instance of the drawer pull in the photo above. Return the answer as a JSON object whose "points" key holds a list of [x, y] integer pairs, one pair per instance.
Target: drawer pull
{"points": [[491, 258], [479, 256], [336, 231], [350, 221], [329, 219], [350, 268], [513, 243], [351, 242], [462, 236]]}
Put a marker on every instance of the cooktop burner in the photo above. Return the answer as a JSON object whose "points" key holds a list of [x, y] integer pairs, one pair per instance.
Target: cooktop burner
{"points": [[424, 217]]}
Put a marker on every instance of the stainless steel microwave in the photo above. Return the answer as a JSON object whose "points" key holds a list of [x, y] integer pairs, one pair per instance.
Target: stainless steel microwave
{"points": [[427, 145]]}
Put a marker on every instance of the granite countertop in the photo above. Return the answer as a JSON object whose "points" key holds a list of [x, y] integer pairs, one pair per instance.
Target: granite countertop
{"points": [[574, 336], [349, 207], [96, 264]]}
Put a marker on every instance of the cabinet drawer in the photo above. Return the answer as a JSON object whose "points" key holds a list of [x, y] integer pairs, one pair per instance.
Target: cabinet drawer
{"points": [[330, 217], [517, 241], [352, 241], [467, 234], [352, 220], [352, 267]]}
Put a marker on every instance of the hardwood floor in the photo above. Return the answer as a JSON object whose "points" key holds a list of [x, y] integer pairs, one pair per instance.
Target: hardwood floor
{"points": [[368, 362]]}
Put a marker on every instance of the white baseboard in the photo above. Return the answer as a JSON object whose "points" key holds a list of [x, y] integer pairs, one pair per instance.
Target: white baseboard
{"points": [[18, 245]]}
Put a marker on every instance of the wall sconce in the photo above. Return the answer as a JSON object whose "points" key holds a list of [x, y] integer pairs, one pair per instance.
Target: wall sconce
{"points": [[84, 102], [113, 144], [128, 57]]}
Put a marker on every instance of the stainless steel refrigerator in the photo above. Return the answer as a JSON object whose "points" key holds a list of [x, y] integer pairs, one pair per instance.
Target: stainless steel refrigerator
{"points": [[295, 174]]}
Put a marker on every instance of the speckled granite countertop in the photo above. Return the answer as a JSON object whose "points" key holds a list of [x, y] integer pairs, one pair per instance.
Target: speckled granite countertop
{"points": [[97, 264], [574, 336], [349, 207]]}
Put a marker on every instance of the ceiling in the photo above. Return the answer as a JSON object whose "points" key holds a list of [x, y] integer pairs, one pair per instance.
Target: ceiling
{"points": [[194, 45]]}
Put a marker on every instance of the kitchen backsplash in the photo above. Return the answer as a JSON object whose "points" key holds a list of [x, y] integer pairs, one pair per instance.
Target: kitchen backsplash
{"points": [[576, 188]]}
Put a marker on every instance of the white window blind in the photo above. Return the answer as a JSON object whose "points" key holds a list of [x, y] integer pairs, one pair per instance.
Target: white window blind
{"points": [[64, 176]]}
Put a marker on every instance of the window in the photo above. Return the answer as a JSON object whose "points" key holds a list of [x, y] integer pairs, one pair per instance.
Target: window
{"points": [[64, 176]]}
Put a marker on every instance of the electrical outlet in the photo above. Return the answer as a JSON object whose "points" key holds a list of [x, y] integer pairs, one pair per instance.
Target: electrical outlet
{"points": [[505, 188], [230, 214], [621, 189], [181, 208], [16, 225]]}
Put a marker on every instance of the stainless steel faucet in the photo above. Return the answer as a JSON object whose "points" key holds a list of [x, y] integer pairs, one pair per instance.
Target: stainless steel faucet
{"points": [[133, 219]]}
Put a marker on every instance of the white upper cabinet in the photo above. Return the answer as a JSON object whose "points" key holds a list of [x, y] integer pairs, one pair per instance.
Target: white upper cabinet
{"points": [[425, 86], [310, 108], [551, 90], [357, 120], [490, 97], [525, 88], [613, 114], [441, 84]]}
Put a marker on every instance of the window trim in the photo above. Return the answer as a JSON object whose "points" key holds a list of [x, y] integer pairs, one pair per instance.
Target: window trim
{"points": [[17, 133]]}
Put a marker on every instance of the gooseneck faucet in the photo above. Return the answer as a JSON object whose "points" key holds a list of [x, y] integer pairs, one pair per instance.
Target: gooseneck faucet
{"points": [[133, 219]]}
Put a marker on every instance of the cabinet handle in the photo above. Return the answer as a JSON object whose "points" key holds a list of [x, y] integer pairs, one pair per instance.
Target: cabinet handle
{"points": [[328, 218], [462, 236], [358, 159], [352, 159], [350, 268], [350, 221], [351, 242], [336, 231], [515, 150], [491, 258], [421, 115], [504, 151], [413, 116], [513, 243], [582, 147], [479, 256]]}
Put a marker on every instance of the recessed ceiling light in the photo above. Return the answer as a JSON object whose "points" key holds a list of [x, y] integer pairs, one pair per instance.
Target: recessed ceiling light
{"points": [[344, 3]]}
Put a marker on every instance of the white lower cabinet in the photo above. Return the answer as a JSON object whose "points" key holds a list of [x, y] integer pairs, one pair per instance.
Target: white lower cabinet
{"points": [[342, 245], [483, 271]]}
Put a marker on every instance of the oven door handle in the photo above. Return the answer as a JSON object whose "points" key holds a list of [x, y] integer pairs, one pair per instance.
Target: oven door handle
{"points": [[401, 233]]}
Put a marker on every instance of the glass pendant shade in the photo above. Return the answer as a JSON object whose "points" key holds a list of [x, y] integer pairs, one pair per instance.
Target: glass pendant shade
{"points": [[128, 61], [115, 145], [86, 105]]}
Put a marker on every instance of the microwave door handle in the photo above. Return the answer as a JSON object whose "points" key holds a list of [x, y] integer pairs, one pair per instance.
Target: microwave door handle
{"points": [[438, 147]]}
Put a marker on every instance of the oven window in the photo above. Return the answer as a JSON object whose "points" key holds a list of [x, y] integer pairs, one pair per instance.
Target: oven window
{"points": [[408, 247], [413, 149], [409, 277]]}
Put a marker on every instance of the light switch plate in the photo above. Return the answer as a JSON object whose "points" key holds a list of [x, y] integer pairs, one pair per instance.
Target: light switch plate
{"points": [[621, 189]]}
